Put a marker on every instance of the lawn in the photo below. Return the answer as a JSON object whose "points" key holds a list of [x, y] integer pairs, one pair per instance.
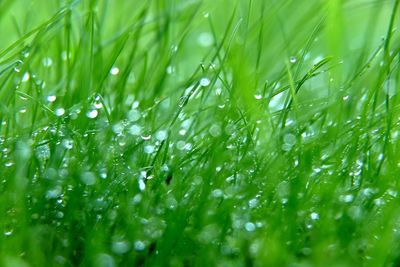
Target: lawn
{"points": [[199, 133]]}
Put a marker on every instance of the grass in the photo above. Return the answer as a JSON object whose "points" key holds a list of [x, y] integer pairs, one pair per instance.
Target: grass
{"points": [[199, 133]]}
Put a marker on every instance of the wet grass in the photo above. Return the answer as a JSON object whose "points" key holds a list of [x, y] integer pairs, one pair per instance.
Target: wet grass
{"points": [[199, 133]]}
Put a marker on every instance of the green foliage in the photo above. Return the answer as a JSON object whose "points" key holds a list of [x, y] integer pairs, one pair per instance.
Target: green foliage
{"points": [[199, 133]]}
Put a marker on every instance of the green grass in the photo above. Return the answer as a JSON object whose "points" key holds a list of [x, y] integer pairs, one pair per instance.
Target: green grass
{"points": [[199, 133]]}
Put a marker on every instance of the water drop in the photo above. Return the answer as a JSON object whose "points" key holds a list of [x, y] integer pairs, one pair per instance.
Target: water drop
{"points": [[258, 96], [146, 137], [314, 216], [250, 227], [215, 130], [161, 135], [47, 62], [120, 247], [68, 143], [25, 77], [59, 112], [293, 59], [91, 114], [149, 149], [51, 98], [205, 39], [139, 245], [204, 82], [114, 71], [135, 129], [88, 178]]}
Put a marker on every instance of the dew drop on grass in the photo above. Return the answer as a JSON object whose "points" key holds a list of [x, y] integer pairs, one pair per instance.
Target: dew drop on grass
{"points": [[139, 245], [104, 260], [18, 65], [120, 247], [68, 143], [149, 149], [135, 129], [258, 96], [205, 39], [114, 71], [142, 185], [8, 164], [293, 59], [97, 102], [204, 82], [25, 77], [161, 135], [314, 216], [253, 203], [8, 232], [217, 193], [51, 98], [88, 178], [250, 227], [47, 62], [92, 114], [118, 128], [146, 137], [390, 87], [182, 132], [59, 112], [215, 130]]}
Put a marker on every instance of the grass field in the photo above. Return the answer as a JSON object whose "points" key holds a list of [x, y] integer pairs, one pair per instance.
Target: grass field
{"points": [[199, 133]]}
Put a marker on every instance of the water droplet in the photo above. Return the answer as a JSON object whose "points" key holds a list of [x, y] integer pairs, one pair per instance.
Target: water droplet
{"points": [[253, 203], [91, 114], [293, 59], [314, 216], [120, 247], [47, 62], [104, 260], [161, 135], [217, 193], [135, 129], [8, 232], [345, 98], [114, 71], [146, 137], [18, 65], [59, 112], [205, 39], [88, 178], [25, 77], [68, 143], [206, 14], [204, 82], [139, 245], [142, 185], [258, 96], [51, 98], [250, 227], [215, 130], [182, 132], [118, 128], [170, 70], [8, 164], [149, 149], [54, 192], [390, 87]]}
